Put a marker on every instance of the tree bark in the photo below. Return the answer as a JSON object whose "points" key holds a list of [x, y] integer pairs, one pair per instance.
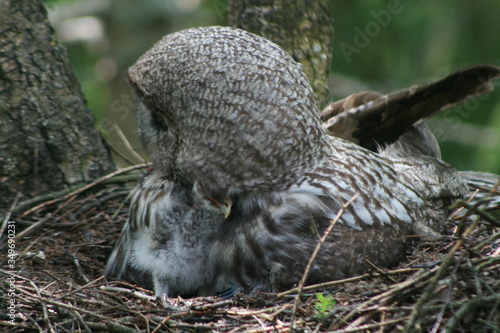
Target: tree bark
{"points": [[47, 136], [302, 27]]}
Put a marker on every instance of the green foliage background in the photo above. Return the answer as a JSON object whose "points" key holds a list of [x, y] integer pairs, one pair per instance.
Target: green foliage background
{"points": [[419, 41], [427, 40]]}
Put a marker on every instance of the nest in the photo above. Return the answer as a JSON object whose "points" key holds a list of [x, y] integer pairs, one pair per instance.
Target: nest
{"points": [[52, 282]]}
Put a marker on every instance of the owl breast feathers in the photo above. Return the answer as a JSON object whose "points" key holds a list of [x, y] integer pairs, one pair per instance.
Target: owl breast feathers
{"points": [[245, 178]]}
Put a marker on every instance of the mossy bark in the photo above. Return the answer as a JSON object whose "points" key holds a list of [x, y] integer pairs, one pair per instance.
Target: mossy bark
{"points": [[47, 136]]}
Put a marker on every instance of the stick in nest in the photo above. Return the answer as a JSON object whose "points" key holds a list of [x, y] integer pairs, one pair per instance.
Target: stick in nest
{"points": [[7, 216], [315, 253], [447, 261], [84, 188]]}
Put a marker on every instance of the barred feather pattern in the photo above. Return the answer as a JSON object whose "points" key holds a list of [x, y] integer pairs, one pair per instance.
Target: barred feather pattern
{"points": [[226, 94], [268, 239], [164, 244], [234, 118]]}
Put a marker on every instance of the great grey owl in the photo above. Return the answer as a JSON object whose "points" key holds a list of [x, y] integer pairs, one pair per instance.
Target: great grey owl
{"points": [[246, 177]]}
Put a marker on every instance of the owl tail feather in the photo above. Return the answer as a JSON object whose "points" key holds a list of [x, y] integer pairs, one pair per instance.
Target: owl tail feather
{"points": [[372, 120]]}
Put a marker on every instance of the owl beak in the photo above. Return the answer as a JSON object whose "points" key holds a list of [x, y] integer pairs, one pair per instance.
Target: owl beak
{"points": [[224, 207]]}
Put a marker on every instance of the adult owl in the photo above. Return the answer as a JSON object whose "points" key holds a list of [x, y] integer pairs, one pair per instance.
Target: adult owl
{"points": [[245, 178]]}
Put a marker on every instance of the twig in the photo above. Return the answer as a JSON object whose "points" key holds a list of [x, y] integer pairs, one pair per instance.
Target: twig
{"points": [[129, 292], [34, 227], [372, 326], [182, 325], [246, 312], [79, 269], [454, 215], [476, 210], [492, 190], [4, 323], [123, 179], [447, 261], [44, 308], [35, 323], [315, 253], [160, 324], [60, 304], [84, 188], [347, 280], [466, 308], [256, 328], [211, 306], [9, 212], [114, 326], [261, 323], [120, 154], [88, 284], [45, 197], [127, 145], [98, 202], [274, 328], [379, 270], [394, 291], [439, 317], [78, 317]]}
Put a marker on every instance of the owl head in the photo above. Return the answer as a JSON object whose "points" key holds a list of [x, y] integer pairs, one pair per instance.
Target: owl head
{"points": [[239, 112]]}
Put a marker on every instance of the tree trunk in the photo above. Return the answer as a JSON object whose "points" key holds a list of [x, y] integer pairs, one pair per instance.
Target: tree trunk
{"points": [[47, 135], [302, 27]]}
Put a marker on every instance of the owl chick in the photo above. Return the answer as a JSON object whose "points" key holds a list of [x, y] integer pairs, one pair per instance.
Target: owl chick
{"points": [[236, 126], [164, 244]]}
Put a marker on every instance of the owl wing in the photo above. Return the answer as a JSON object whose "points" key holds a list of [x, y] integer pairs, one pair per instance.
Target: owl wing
{"points": [[372, 120], [268, 239]]}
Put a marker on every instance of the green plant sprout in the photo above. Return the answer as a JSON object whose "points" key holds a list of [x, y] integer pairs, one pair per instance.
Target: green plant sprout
{"points": [[324, 305]]}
